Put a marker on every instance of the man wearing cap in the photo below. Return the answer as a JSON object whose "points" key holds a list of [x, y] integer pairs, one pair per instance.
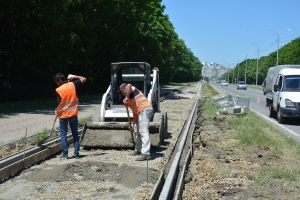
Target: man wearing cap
{"points": [[67, 110], [142, 114]]}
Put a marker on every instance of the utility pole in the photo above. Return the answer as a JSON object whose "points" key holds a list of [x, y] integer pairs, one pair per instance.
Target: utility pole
{"points": [[278, 40]]}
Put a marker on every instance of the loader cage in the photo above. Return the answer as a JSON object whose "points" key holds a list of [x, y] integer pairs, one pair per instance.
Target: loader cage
{"points": [[136, 73]]}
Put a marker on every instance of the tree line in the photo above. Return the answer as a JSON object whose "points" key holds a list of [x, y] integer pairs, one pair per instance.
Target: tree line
{"points": [[288, 54], [41, 38]]}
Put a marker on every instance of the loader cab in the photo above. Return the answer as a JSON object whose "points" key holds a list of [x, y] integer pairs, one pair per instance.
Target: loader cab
{"points": [[136, 73]]}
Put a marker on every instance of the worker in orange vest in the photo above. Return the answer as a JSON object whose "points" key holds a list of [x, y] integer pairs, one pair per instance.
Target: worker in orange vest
{"points": [[142, 114], [67, 110]]}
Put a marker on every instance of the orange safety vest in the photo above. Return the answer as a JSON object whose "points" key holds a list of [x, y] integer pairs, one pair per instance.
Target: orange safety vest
{"points": [[138, 103], [68, 107]]}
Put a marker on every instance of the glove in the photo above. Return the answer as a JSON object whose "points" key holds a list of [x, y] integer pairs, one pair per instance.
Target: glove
{"points": [[71, 77]]}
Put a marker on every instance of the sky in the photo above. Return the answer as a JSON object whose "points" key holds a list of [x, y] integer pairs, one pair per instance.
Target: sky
{"points": [[221, 31]]}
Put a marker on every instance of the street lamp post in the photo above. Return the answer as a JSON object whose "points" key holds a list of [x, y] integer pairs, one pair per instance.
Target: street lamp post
{"points": [[278, 40], [257, 58], [232, 72], [227, 71], [246, 70], [237, 77]]}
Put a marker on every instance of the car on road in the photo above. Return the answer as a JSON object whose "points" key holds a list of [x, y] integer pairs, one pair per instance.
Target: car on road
{"points": [[242, 85], [224, 83]]}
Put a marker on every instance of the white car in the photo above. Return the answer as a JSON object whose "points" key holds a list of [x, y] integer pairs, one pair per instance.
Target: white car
{"points": [[241, 85], [224, 83]]}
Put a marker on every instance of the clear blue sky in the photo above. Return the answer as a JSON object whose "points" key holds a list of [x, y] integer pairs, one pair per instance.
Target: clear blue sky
{"points": [[221, 31]]}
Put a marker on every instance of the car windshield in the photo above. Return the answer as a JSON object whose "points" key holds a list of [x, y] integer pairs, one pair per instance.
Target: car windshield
{"points": [[292, 83], [242, 83]]}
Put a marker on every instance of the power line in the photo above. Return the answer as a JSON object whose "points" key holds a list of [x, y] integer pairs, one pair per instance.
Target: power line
{"points": [[290, 39], [290, 35]]}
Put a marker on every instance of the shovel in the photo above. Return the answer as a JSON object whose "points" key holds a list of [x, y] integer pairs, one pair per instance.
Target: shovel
{"points": [[47, 137], [130, 127]]}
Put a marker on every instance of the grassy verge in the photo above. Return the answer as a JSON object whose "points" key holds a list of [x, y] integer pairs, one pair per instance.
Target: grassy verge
{"points": [[28, 106], [251, 132]]}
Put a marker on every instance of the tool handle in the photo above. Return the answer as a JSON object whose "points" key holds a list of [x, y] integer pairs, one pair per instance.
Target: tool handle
{"points": [[129, 123], [53, 124]]}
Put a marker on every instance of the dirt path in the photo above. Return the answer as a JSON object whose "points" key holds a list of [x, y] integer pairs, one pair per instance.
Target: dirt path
{"points": [[221, 169], [102, 173]]}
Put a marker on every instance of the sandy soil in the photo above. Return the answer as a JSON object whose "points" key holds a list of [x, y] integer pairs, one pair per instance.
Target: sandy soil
{"points": [[102, 173], [221, 170], [218, 170]]}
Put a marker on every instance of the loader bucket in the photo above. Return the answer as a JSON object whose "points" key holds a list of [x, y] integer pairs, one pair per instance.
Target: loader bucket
{"points": [[115, 135]]}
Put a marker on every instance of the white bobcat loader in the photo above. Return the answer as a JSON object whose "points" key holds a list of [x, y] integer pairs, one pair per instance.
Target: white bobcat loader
{"points": [[111, 129]]}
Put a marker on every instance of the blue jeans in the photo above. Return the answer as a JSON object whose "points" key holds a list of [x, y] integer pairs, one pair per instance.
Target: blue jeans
{"points": [[63, 125]]}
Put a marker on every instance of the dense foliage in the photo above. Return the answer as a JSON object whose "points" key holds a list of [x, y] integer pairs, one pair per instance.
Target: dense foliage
{"points": [[41, 38], [288, 54]]}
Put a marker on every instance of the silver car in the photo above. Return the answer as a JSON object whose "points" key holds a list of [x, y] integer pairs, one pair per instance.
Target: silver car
{"points": [[242, 85], [224, 83]]}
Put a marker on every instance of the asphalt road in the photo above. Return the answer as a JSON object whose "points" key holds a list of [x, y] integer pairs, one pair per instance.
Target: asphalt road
{"points": [[258, 105]]}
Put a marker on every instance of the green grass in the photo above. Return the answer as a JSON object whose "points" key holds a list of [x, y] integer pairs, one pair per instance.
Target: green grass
{"points": [[251, 131], [208, 90], [13, 108], [285, 174], [41, 136], [83, 120], [45, 132], [261, 181]]}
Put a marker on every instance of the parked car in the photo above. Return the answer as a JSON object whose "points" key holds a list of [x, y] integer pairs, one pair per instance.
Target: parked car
{"points": [[224, 83], [263, 85], [242, 85]]}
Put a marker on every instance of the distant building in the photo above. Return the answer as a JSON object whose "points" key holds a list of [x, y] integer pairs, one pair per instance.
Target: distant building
{"points": [[213, 70]]}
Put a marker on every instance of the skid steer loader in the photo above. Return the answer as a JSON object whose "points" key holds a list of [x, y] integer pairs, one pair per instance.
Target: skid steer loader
{"points": [[111, 128]]}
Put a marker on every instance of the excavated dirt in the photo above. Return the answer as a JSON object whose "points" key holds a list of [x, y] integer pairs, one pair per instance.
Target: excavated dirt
{"points": [[12, 149], [103, 173], [218, 169], [221, 170]]}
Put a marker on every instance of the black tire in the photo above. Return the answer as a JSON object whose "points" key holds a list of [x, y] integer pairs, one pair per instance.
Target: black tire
{"points": [[165, 125], [271, 111], [161, 129], [280, 119]]}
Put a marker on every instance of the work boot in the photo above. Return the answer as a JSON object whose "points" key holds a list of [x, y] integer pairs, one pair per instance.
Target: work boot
{"points": [[134, 153], [75, 156], [63, 158], [143, 157]]}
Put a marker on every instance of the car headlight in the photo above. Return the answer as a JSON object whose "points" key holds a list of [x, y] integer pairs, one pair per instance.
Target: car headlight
{"points": [[289, 103]]}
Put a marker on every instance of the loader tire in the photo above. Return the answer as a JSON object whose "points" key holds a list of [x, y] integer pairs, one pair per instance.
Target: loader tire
{"points": [[165, 125], [162, 128]]}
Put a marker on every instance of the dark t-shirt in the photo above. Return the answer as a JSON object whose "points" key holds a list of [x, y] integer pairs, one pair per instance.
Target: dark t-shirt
{"points": [[134, 93], [77, 84]]}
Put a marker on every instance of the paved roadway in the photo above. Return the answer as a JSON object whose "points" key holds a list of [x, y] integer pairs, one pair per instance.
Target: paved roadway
{"points": [[258, 105], [15, 127]]}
